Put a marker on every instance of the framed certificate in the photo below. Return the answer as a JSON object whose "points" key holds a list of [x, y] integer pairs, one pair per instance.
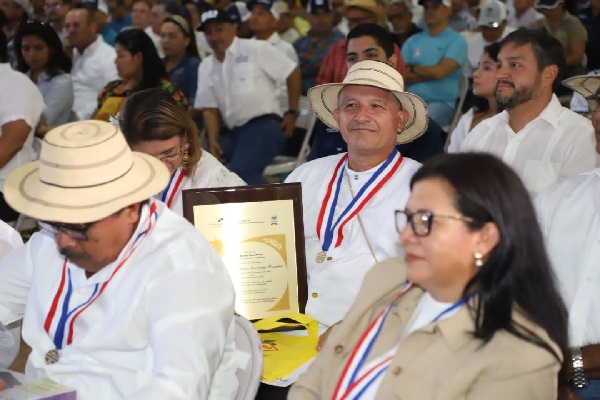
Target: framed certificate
{"points": [[258, 232]]}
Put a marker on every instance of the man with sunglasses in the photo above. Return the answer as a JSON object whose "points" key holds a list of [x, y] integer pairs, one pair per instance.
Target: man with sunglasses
{"points": [[569, 216], [120, 297]]}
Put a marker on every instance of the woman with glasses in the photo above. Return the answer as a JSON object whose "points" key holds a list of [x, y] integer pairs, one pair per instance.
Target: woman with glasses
{"points": [[140, 67], [155, 124], [40, 56], [472, 312]]}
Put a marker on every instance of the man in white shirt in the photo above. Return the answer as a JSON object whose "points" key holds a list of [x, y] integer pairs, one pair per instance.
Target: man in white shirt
{"points": [[120, 297], [21, 105], [56, 10], [9, 240], [93, 60], [236, 85], [263, 23], [492, 28], [540, 139]]}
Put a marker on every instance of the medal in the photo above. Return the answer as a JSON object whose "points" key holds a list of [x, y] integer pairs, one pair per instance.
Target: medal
{"points": [[52, 357], [320, 257]]}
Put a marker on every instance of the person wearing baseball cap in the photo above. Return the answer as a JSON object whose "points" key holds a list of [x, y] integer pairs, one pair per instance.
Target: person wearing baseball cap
{"points": [[569, 31], [435, 59], [492, 28], [120, 297], [237, 96]]}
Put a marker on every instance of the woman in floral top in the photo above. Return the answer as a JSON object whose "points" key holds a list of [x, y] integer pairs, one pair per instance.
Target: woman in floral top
{"points": [[140, 67]]}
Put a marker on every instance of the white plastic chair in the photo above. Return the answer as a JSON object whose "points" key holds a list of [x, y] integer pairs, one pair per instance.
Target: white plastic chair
{"points": [[285, 164], [249, 359]]}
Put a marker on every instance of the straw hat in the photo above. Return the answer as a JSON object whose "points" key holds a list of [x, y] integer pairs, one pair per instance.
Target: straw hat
{"points": [[585, 85], [369, 5], [323, 98], [86, 172]]}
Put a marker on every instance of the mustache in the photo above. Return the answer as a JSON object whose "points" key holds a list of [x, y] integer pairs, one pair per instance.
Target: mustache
{"points": [[504, 82], [73, 255], [359, 125]]}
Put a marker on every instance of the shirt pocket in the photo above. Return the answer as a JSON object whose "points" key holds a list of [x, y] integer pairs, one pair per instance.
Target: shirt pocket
{"points": [[243, 81], [538, 175]]}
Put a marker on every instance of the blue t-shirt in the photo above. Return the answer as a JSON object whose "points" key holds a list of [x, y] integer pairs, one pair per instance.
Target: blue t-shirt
{"points": [[423, 49], [185, 76]]}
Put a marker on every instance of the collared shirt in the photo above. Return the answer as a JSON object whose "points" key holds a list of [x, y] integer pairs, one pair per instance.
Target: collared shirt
{"points": [[462, 21], [334, 67], [475, 45], [424, 49], [333, 284], [311, 52], [9, 241], [287, 49], [57, 91], [463, 127], [19, 99], [569, 215], [162, 329], [91, 71], [556, 144], [568, 31], [209, 173], [528, 17], [243, 86], [185, 76]]}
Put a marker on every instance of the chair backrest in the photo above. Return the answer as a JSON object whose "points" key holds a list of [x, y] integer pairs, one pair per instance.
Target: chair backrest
{"points": [[463, 88], [249, 359]]}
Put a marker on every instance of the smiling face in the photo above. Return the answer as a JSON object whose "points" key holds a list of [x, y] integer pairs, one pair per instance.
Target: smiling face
{"points": [[518, 79], [484, 78], [369, 119], [443, 261]]}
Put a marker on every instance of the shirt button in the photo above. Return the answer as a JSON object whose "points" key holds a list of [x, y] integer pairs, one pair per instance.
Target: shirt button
{"points": [[339, 348], [315, 295], [396, 370]]}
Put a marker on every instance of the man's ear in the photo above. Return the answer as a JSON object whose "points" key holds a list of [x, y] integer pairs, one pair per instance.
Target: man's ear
{"points": [[549, 75], [402, 119]]}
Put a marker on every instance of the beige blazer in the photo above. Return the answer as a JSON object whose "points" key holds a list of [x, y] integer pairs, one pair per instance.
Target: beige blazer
{"points": [[439, 361]]}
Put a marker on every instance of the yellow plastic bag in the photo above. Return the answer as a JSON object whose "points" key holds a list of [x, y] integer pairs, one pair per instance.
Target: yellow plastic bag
{"points": [[284, 353]]}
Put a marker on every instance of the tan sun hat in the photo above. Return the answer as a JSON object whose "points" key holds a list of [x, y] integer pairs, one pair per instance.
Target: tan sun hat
{"points": [[86, 172], [585, 85], [369, 5], [323, 98]]}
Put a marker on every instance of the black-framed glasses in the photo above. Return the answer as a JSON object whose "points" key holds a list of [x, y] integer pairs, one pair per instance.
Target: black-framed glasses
{"points": [[74, 231], [173, 156], [421, 221], [593, 101]]}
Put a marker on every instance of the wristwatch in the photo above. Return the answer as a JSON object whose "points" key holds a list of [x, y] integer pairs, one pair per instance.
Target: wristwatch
{"points": [[291, 111], [578, 380]]}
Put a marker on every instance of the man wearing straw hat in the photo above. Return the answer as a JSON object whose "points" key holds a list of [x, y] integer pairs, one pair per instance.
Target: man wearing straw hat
{"points": [[349, 198], [120, 298]]}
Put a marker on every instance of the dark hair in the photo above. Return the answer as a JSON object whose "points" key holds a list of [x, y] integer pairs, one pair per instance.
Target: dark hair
{"points": [[517, 273], [137, 41], [3, 47], [480, 104], [546, 49], [3, 20], [170, 6], [382, 37], [58, 61], [90, 12], [185, 26], [153, 114]]}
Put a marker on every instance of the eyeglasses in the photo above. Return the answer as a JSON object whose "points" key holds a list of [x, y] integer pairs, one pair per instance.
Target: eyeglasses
{"points": [[172, 157], [593, 101], [420, 221], [74, 231]]}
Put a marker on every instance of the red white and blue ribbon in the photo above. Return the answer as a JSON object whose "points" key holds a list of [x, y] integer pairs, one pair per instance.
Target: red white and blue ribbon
{"points": [[330, 232], [356, 378], [63, 325], [172, 188]]}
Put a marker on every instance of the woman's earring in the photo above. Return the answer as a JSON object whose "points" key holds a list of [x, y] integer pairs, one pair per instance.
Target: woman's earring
{"points": [[478, 259], [186, 155]]}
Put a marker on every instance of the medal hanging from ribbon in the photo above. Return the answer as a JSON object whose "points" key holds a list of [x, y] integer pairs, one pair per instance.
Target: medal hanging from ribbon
{"points": [[172, 188], [356, 377], [330, 231], [66, 318]]}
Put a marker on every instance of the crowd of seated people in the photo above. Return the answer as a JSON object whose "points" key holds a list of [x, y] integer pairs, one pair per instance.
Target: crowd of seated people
{"points": [[195, 94]]}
